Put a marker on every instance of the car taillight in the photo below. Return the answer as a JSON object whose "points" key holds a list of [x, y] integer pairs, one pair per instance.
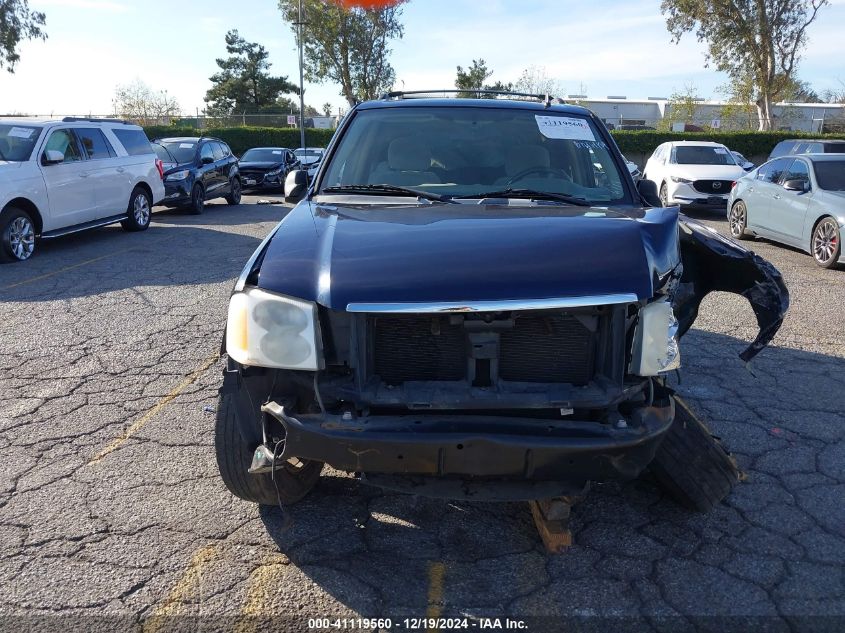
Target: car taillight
{"points": [[160, 167]]}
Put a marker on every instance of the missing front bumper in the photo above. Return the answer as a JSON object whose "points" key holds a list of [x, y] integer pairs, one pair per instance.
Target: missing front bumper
{"points": [[478, 446]]}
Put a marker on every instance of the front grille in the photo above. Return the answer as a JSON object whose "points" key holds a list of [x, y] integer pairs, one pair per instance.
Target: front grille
{"points": [[257, 176], [543, 347], [547, 348], [713, 186]]}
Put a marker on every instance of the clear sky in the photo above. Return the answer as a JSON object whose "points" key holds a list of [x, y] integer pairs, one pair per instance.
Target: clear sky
{"points": [[610, 47]]}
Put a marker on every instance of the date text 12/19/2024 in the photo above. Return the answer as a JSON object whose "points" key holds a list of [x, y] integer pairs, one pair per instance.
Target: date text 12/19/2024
{"points": [[377, 625]]}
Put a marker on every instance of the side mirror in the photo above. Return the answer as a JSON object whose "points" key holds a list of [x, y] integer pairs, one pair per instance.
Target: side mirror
{"points": [[797, 185], [648, 192], [53, 157], [207, 160], [296, 184]]}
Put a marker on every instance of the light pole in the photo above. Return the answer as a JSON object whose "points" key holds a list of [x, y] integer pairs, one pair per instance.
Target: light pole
{"points": [[300, 24]]}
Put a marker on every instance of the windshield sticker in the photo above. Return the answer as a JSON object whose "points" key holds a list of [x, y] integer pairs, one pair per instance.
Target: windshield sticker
{"points": [[186, 145], [277, 151], [21, 132], [590, 145], [564, 127]]}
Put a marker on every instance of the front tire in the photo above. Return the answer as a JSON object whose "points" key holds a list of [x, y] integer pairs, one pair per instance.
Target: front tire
{"points": [[139, 212], [292, 482], [691, 465], [197, 200], [664, 195], [234, 196], [738, 220], [17, 235], [826, 244]]}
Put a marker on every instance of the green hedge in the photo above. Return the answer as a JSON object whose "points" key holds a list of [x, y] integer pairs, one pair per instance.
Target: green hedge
{"points": [[241, 139], [747, 143], [631, 142]]}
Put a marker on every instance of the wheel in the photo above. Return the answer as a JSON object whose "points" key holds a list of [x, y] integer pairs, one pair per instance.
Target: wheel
{"points": [[139, 211], [691, 465], [292, 482], [826, 245], [17, 235], [234, 196], [197, 199], [664, 195], [738, 220]]}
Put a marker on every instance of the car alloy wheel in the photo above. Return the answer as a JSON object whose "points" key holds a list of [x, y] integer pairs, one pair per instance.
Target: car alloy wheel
{"points": [[738, 220], [197, 200], [234, 196], [826, 244], [664, 196], [21, 237], [141, 210]]}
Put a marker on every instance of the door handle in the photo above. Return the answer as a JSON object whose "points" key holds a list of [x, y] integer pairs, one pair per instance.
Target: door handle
{"points": [[120, 170], [776, 196], [84, 174]]}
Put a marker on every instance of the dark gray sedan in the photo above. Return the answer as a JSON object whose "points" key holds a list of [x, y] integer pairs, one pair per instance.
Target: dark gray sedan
{"points": [[795, 200]]}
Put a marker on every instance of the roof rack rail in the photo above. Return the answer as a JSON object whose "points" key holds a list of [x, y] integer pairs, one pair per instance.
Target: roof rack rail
{"points": [[546, 99], [78, 119]]}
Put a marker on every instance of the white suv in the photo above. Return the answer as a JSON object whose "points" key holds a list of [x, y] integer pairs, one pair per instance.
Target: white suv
{"points": [[694, 173], [58, 177]]}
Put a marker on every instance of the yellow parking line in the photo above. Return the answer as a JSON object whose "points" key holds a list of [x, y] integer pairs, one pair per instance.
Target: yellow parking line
{"points": [[136, 426], [188, 586], [262, 586], [79, 265], [436, 574]]}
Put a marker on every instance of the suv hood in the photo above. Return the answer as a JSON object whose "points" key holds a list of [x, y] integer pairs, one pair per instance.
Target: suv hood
{"points": [[337, 255]]}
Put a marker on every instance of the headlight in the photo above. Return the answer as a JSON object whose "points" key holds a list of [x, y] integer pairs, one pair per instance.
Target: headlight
{"points": [[685, 181], [275, 172], [178, 175], [655, 347], [270, 330]]}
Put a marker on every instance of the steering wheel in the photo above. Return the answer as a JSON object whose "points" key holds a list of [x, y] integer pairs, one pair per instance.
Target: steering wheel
{"points": [[550, 171]]}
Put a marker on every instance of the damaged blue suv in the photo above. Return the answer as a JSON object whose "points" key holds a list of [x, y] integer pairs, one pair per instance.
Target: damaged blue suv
{"points": [[473, 299]]}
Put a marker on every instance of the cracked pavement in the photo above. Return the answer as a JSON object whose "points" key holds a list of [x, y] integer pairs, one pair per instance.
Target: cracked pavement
{"points": [[111, 509]]}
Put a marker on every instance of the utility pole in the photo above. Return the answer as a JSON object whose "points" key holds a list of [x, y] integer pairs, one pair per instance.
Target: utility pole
{"points": [[300, 24]]}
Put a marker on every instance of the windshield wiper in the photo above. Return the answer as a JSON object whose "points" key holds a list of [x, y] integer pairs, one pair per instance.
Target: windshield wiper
{"points": [[388, 189], [529, 194]]}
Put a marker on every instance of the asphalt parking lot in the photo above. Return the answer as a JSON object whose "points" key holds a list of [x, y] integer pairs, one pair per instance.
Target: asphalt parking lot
{"points": [[111, 506]]}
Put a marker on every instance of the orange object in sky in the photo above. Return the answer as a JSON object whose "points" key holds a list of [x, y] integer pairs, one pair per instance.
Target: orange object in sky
{"points": [[367, 4]]}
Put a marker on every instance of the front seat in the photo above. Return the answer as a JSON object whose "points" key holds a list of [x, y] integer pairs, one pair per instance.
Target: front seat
{"points": [[522, 158], [408, 164]]}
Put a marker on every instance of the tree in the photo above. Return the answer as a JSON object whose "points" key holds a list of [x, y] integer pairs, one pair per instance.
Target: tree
{"points": [[472, 79], [763, 38], [682, 107], [138, 102], [801, 92], [327, 109], [535, 80], [244, 84], [347, 46], [17, 23]]}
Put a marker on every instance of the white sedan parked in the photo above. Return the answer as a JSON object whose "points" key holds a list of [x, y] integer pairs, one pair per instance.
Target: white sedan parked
{"points": [[693, 173], [62, 176]]}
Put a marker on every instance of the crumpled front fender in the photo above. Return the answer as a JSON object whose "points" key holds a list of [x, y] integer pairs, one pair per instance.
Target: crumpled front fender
{"points": [[713, 262]]}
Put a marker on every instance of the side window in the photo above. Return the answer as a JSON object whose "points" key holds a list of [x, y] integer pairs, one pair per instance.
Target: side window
{"points": [[660, 153], [95, 143], [813, 148], [289, 157], [226, 151], [217, 150], [206, 152], [134, 140], [771, 172], [797, 171], [65, 142]]}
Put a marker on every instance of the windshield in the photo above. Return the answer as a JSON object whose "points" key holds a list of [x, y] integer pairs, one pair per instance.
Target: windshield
{"points": [[17, 142], [162, 153], [264, 155], [308, 153], [182, 151], [702, 155], [830, 174], [465, 152]]}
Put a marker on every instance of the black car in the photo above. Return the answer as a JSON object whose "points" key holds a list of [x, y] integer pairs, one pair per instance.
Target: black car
{"points": [[198, 169], [266, 167], [459, 306], [807, 146]]}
